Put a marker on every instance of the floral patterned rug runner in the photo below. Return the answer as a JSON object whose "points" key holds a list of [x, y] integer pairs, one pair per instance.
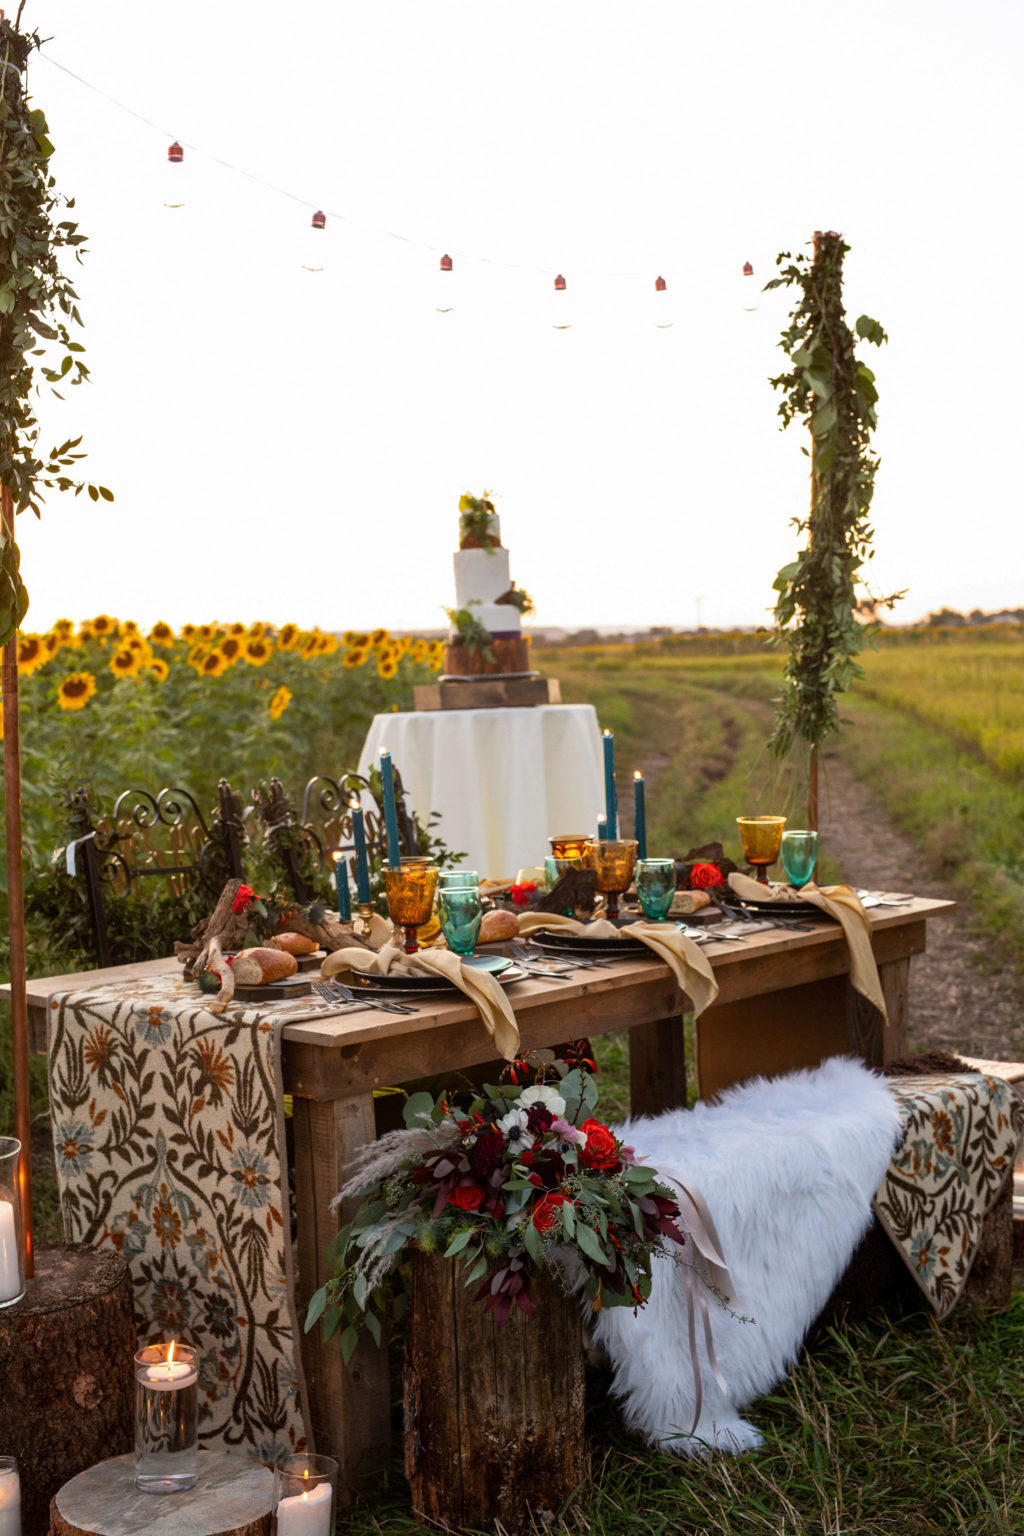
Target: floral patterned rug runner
{"points": [[169, 1137], [962, 1134]]}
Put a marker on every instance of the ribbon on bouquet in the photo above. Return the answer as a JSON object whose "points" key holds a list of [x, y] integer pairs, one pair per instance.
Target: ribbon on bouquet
{"points": [[692, 970]]}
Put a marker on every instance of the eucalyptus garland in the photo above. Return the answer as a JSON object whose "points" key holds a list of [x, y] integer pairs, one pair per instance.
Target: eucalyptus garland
{"points": [[38, 308], [834, 395]]}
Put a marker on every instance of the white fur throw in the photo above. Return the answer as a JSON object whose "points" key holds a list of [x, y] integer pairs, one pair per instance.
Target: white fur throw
{"points": [[787, 1167]]}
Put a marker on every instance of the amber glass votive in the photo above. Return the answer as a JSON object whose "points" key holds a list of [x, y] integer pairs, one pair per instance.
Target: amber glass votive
{"points": [[762, 839], [614, 860], [410, 897], [569, 847]]}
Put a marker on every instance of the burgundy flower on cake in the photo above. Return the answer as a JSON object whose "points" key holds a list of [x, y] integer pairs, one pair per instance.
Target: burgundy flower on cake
{"points": [[704, 876]]}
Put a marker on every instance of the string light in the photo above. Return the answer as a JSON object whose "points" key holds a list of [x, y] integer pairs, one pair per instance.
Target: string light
{"points": [[560, 323], [748, 271], [661, 319], [175, 153], [444, 291], [319, 220]]}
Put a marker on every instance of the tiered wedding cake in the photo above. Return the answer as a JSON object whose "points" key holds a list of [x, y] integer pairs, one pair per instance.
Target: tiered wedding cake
{"points": [[486, 636]]}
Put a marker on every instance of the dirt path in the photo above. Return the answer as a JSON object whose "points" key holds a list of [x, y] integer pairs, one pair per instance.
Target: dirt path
{"points": [[961, 996]]}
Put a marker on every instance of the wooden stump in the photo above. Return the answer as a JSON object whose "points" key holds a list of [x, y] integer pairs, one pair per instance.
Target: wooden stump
{"points": [[66, 1367], [493, 1419], [990, 1281], [233, 1497]]}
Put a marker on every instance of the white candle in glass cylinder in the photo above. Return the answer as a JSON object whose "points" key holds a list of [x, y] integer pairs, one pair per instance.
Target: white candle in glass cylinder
{"points": [[10, 1270], [306, 1514], [10, 1499], [170, 1375]]}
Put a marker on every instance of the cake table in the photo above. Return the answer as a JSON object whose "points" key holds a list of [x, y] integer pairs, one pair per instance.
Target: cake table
{"points": [[503, 780]]}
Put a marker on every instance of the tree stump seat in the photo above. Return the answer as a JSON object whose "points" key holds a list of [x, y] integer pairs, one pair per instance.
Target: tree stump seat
{"points": [[233, 1497]]}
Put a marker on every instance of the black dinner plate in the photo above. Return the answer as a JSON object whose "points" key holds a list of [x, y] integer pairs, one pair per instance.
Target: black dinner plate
{"points": [[495, 965], [804, 909], [583, 944]]}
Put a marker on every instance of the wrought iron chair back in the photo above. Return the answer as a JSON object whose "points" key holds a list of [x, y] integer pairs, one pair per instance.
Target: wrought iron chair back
{"points": [[327, 806]]}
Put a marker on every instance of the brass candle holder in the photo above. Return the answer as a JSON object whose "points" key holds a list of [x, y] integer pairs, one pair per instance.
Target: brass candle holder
{"points": [[614, 860], [361, 920], [762, 839], [410, 897]]}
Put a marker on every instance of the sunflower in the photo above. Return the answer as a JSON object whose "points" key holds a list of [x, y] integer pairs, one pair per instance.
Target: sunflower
{"points": [[257, 651], [349, 637], [127, 627], [85, 630], [387, 666], [359, 641], [188, 631], [206, 631], [76, 690], [212, 665], [257, 631], [355, 657], [31, 654], [64, 629], [231, 649], [310, 647], [161, 634], [287, 637], [141, 646], [279, 703], [328, 644], [238, 628], [103, 625], [159, 669], [379, 638], [51, 643], [196, 655], [419, 650], [125, 662]]}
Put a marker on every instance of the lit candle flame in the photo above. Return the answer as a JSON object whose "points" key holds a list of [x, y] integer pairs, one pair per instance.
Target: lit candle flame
{"points": [[637, 774], [170, 1353]]}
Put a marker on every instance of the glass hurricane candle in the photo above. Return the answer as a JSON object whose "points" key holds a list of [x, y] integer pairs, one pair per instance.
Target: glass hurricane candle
{"points": [[305, 1493], [410, 897], [762, 838], [10, 1497], [12, 1252], [166, 1418], [614, 859]]}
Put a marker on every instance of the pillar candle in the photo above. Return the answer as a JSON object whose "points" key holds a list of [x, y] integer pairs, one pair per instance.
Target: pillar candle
{"points": [[341, 881], [10, 1497], [639, 815], [602, 828], [390, 810], [10, 1269], [362, 862], [306, 1514], [611, 803]]}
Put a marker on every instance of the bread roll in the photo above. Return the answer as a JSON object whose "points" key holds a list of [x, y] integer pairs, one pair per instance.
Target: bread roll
{"points": [[293, 943], [684, 902], [498, 925], [256, 967]]}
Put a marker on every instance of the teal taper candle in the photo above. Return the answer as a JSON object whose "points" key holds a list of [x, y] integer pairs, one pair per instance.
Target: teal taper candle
{"points": [[390, 810], [639, 815], [602, 828], [362, 862], [611, 802], [341, 880]]}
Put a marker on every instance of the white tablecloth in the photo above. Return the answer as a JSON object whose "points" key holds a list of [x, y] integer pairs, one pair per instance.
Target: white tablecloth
{"points": [[503, 780]]}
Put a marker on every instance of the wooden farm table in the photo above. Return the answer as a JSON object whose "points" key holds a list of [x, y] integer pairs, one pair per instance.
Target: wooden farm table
{"points": [[784, 1002]]}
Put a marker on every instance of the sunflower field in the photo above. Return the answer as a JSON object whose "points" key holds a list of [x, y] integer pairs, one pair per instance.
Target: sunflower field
{"points": [[108, 704]]}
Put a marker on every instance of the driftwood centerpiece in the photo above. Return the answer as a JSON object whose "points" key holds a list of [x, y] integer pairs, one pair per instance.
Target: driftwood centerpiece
{"points": [[66, 1350], [240, 914]]}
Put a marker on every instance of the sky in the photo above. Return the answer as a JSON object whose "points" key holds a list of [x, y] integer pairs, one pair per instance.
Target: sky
{"points": [[286, 418]]}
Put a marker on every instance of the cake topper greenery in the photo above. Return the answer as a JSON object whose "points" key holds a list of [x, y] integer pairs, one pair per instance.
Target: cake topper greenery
{"points": [[476, 529], [469, 631], [515, 597]]}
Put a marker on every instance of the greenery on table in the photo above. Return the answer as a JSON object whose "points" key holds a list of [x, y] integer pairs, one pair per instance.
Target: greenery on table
{"points": [[38, 307], [834, 396]]}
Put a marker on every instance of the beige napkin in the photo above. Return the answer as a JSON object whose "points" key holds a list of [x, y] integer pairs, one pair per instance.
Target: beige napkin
{"points": [[839, 902], [692, 970], [481, 988]]}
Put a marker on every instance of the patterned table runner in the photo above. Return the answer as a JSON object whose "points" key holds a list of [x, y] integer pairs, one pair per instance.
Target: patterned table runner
{"points": [[168, 1128], [962, 1134]]}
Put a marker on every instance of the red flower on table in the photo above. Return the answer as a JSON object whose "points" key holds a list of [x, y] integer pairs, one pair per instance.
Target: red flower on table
{"points": [[466, 1197], [702, 876], [601, 1150], [243, 898], [546, 1211], [521, 893]]}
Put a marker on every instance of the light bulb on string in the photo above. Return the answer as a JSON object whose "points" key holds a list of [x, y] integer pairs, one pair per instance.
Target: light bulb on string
{"points": [[749, 288], [662, 314], [445, 281], [317, 224], [173, 184], [562, 316]]}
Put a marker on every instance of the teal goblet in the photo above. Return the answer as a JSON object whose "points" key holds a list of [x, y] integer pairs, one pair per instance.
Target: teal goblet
{"points": [[461, 912], [799, 856], [655, 886], [453, 879]]}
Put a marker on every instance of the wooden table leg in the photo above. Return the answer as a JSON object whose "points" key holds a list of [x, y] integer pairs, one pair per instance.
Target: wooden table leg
{"points": [[870, 1037], [349, 1405], [657, 1066]]}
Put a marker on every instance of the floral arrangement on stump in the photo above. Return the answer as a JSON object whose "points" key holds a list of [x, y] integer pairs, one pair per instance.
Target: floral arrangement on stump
{"points": [[520, 1178]]}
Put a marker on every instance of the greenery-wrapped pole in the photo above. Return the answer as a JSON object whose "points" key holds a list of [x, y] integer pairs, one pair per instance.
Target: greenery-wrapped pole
{"points": [[834, 395], [37, 309]]}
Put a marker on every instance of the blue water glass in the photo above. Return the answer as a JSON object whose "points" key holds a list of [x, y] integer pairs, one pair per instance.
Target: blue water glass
{"points": [[461, 912], [655, 886], [456, 879], [799, 856]]}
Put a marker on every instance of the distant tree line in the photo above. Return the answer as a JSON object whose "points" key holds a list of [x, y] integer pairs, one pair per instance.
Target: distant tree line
{"points": [[947, 618]]}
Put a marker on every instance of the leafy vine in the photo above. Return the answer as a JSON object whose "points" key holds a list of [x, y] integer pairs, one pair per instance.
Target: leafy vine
{"points": [[38, 307], [834, 395]]}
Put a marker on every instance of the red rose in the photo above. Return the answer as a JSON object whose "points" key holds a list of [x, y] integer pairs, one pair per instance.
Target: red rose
{"points": [[704, 875], [467, 1197], [600, 1150], [243, 897], [545, 1212], [521, 893]]}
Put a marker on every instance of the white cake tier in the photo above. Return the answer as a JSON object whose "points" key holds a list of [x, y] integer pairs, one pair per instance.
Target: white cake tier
{"points": [[498, 618], [481, 575]]}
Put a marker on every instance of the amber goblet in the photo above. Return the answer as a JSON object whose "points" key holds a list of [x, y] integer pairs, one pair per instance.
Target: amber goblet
{"points": [[614, 859], [762, 839], [569, 847], [410, 898]]}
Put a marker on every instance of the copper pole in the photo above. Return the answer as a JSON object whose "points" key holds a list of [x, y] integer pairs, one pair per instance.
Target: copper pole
{"points": [[16, 914]]}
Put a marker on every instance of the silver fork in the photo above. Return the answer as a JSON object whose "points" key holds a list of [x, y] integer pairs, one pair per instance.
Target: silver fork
{"points": [[323, 990], [348, 996]]}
